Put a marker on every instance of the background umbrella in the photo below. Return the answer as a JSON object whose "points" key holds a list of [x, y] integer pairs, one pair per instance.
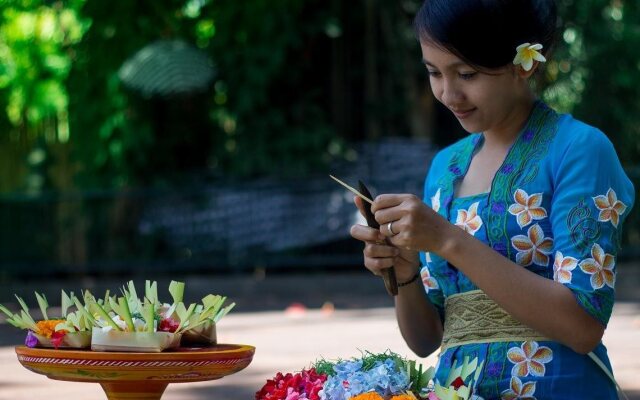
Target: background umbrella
{"points": [[167, 67]]}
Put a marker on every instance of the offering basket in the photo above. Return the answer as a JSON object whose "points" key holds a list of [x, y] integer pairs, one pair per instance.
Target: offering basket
{"points": [[142, 376]]}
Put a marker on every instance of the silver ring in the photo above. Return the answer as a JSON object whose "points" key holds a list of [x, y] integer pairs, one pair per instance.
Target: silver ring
{"points": [[390, 229]]}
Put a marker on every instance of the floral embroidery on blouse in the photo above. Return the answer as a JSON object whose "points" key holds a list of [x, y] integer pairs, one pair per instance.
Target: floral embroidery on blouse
{"points": [[600, 267], [529, 358], [610, 207], [469, 220], [562, 267], [435, 201], [430, 283], [533, 248], [519, 390], [527, 208]]}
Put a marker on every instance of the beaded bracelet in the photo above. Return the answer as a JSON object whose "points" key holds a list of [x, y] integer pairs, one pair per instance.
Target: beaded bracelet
{"points": [[410, 281]]}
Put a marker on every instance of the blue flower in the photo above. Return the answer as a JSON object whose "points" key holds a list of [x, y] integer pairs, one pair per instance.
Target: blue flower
{"points": [[345, 368], [385, 377]]}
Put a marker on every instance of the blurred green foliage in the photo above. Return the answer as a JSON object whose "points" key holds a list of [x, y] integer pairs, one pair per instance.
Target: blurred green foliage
{"points": [[597, 70], [297, 80]]}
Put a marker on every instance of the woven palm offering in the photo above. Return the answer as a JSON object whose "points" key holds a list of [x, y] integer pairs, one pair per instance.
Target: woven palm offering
{"points": [[70, 330]]}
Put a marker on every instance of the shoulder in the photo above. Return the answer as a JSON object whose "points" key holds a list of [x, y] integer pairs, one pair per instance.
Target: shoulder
{"points": [[581, 150], [574, 135]]}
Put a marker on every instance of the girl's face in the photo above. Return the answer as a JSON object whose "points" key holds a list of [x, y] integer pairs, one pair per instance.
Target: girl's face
{"points": [[481, 102]]}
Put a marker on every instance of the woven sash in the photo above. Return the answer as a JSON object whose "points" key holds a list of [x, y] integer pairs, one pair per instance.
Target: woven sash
{"points": [[472, 317]]}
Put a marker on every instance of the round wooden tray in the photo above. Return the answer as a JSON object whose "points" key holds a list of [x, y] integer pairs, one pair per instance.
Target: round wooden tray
{"points": [[137, 375]]}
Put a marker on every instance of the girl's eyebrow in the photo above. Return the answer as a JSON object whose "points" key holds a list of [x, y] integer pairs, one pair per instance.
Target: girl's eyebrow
{"points": [[452, 65]]}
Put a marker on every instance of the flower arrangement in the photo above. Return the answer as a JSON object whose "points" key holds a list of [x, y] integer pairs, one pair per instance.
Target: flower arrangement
{"points": [[122, 323], [385, 376], [71, 330], [128, 323], [200, 322], [304, 385]]}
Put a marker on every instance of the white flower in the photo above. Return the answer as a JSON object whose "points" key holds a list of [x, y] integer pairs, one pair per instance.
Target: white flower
{"points": [[139, 325], [526, 53], [435, 201], [119, 321]]}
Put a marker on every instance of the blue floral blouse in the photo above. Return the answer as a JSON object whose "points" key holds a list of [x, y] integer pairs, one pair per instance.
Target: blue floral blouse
{"points": [[556, 207]]}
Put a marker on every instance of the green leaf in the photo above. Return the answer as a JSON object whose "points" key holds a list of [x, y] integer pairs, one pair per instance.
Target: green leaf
{"points": [[6, 311], [468, 368], [151, 291], [27, 320], [132, 299], [148, 313], [126, 313], [65, 303], [132, 291], [454, 372], [22, 304], [115, 306], [106, 298], [177, 291], [43, 304], [476, 376], [14, 319], [184, 318], [445, 393], [106, 317], [83, 311], [223, 312]]}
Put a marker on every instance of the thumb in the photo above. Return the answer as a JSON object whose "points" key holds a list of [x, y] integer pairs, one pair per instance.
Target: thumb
{"points": [[359, 203]]}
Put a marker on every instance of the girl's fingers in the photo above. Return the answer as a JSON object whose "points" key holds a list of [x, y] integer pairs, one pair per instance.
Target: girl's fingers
{"points": [[387, 201], [359, 204], [376, 265], [387, 215], [380, 251], [366, 234]]}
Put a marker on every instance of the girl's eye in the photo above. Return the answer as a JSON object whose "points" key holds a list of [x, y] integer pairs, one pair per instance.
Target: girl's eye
{"points": [[433, 74], [467, 76]]}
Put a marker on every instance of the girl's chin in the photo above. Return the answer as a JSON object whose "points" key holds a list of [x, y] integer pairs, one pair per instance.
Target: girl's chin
{"points": [[471, 127]]}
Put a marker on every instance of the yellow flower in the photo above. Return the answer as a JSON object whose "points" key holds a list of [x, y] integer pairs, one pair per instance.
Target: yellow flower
{"points": [[600, 267], [469, 220], [430, 283], [47, 327], [610, 207], [529, 359], [367, 396], [526, 53], [404, 396]]}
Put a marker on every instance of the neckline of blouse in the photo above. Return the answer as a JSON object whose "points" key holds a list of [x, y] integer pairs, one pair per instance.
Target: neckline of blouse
{"points": [[538, 104]]}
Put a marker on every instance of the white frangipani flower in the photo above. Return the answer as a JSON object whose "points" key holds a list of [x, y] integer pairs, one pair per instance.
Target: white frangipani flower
{"points": [[526, 54]]}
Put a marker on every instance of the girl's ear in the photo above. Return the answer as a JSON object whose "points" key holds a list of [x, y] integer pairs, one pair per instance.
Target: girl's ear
{"points": [[527, 74]]}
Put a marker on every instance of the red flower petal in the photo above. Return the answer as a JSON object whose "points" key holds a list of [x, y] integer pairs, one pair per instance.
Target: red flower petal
{"points": [[457, 383]]}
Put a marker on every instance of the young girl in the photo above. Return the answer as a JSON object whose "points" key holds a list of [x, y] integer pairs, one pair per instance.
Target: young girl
{"points": [[516, 245]]}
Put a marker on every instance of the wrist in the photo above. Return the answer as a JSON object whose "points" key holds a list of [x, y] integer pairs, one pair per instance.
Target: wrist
{"points": [[450, 244], [414, 278], [407, 271]]}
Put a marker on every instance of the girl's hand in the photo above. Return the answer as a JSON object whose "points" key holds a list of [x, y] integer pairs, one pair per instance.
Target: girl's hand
{"points": [[380, 254], [415, 226]]}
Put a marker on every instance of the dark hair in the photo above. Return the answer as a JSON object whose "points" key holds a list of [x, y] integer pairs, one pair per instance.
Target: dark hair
{"points": [[485, 33]]}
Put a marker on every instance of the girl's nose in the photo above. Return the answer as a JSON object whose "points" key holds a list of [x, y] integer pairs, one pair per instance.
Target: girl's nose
{"points": [[451, 93]]}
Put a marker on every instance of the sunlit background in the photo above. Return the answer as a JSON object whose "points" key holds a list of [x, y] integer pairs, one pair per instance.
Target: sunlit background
{"points": [[197, 136]]}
